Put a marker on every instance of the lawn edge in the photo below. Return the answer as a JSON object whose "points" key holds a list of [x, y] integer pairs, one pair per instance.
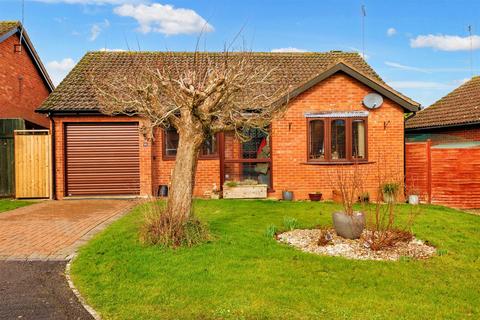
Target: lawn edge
{"points": [[75, 291]]}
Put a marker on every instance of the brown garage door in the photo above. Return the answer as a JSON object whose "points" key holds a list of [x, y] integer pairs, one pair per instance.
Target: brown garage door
{"points": [[102, 159]]}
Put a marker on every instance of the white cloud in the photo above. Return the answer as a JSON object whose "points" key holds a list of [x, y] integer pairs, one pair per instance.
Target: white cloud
{"points": [[111, 50], [427, 85], [59, 69], [391, 32], [405, 67], [94, 32], [97, 28], [419, 85], [164, 19], [445, 42], [94, 2], [289, 49]]}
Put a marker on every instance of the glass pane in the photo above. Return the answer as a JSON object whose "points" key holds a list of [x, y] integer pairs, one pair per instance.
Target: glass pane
{"points": [[317, 140], [358, 139], [171, 142], [338, 139], [248, 172], [257, 147], [209, 146]]}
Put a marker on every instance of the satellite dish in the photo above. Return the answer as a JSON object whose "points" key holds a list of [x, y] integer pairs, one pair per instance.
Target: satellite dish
{"points": [[372, 101]]}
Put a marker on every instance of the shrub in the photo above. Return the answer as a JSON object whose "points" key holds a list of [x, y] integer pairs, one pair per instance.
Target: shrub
{"points": [[160, 228], [390, 188], [290, 223]]}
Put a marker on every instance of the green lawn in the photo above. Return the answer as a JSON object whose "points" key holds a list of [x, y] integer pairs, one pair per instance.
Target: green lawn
{"points": [[9, 204], [242, 274]]}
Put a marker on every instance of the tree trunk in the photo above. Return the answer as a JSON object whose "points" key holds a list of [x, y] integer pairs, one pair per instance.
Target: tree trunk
{"points": [[179, 203]]}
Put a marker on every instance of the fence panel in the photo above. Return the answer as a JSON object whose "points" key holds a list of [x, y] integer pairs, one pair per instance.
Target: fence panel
{"points": [[32, 164], [448, 176], [456, 177], [417, 169]]}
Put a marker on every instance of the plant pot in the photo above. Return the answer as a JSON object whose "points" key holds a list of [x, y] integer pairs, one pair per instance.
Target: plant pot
{"points": [[315, 196], [413, 199], [348, 227], [287, 195], [388, 197], [336, 196]]}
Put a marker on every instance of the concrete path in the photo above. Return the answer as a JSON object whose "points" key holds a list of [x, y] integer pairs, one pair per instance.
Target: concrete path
{"points": [[53, 230]]}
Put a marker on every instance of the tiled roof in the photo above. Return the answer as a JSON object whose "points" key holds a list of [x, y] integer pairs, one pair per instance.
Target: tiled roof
{"points": [[6, 26], [459, 107], [75, 92]]}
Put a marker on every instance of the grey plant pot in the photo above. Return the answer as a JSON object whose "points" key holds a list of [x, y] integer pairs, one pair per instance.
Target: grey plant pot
{"points": [[349, 227]]}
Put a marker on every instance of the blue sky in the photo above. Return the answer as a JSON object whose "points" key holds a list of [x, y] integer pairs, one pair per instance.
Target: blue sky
{"points": [[421, 48]]}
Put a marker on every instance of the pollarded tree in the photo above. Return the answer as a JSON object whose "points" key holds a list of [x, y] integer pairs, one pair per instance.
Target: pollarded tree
{"points": [[199, 94]]}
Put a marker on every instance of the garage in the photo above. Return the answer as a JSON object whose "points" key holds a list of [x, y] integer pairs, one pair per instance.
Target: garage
{"points": [[102, 159]]}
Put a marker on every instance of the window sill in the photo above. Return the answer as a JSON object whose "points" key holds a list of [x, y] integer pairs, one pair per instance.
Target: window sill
{"points": [[336, 163], [168, 158]]}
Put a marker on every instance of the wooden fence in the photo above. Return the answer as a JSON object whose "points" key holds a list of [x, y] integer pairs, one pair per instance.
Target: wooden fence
{"points": [[446, 175], [33, 164], [7, 162]]}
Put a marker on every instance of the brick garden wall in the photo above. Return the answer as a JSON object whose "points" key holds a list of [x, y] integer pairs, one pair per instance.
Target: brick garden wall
{"points": [[22, 88]]}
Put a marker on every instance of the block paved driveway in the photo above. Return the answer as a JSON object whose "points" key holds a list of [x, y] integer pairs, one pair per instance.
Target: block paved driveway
{"points": [[53, 230]]}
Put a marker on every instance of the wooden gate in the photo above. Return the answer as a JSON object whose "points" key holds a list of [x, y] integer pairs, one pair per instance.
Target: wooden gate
{"points": [[33, 178]]}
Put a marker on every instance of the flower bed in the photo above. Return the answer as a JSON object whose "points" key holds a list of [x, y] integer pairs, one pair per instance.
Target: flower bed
{"points": [[307, 240]]}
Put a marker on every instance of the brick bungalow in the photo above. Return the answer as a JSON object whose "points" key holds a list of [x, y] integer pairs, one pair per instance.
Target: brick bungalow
{"points": [[24, 85], [326, 124], [455, 117], [24, 82]]}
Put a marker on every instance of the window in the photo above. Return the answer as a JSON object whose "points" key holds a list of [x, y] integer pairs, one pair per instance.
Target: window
{"points": [[209, 148], [358, 139], [337, 140], [317, 140]]}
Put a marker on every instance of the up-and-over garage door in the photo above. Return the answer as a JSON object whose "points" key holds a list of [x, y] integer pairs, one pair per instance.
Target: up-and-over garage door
{"points": [[102, 159]]}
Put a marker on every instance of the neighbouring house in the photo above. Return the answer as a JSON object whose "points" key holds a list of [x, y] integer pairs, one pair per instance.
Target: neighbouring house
{"points": [[24, 85], [326, 125], [443, 148]]}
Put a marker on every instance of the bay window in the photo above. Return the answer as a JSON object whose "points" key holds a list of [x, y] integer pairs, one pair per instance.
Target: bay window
{"points": [[337, 139]]}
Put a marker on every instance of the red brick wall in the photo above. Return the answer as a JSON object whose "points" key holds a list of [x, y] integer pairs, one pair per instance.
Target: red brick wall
{"points": [[289, 139], [468, 133], [208, 170], [146, 167], [22, 88], [289, 143]]}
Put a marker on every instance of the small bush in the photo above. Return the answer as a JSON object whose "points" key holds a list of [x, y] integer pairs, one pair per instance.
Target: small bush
{"points": [[160, 228], [442, 252], [290, 223], [271, 231]]}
